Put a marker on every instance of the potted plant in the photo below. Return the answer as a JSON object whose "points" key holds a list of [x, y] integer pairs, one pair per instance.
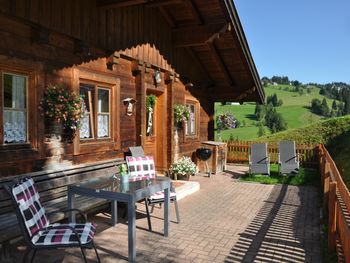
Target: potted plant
{"points": [[181, 114], [184, 167], [123, 172], [64, 108]]}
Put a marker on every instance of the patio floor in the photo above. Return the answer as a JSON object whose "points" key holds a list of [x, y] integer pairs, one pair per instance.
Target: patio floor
{"points": [[226, 221]]}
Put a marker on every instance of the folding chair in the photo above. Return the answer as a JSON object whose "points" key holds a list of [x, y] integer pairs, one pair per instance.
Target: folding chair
{"points": [[142, 168], [259, 162], [288, 159], [136, 151], [35, 226]]}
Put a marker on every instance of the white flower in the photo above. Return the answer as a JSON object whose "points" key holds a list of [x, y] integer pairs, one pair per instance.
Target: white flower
{"points": [[183, 166]]}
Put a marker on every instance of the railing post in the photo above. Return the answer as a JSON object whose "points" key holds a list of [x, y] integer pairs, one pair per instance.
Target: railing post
{"points": [[326, 190], [332, 216]]}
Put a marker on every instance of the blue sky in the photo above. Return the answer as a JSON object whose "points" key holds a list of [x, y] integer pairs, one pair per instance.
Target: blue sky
{"points": [[306, 40]]}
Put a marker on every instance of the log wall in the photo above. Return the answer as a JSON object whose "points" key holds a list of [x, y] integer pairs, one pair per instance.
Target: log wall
{"points": [[52, 40]]}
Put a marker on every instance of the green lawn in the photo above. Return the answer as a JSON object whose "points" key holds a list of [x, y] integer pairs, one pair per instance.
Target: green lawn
{"points": [[294, 110], [306, 176]]}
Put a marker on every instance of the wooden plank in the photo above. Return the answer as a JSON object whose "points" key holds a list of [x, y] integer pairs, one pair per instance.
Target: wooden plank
{"points": [[332, 216]]}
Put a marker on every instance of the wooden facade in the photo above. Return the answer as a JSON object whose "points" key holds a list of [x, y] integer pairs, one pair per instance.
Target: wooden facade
{"points": [[197, 46]]}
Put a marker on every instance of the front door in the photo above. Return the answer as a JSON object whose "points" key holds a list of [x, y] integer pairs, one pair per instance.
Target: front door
{"points": [[156, 121]]}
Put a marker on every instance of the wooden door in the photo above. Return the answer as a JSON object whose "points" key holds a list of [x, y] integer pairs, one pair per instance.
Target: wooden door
{"points": [[155, 140]]}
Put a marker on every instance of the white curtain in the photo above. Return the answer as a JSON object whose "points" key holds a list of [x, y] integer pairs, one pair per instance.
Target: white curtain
{"points": [[103, 126], [192, 123], [85, 127], [15, 117]]}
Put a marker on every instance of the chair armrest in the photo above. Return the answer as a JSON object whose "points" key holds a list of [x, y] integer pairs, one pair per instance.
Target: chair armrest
{"points": [[69, 210]]}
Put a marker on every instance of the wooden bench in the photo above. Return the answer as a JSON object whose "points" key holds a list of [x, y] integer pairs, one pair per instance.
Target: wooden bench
{"points": [[52, 186]]}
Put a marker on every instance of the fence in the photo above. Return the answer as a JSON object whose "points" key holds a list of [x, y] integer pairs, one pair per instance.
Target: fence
{"points": [[336, 204], [238, 151]]}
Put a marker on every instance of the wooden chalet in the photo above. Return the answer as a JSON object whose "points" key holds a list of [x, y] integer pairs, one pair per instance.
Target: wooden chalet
{"points": [[192, 52]]}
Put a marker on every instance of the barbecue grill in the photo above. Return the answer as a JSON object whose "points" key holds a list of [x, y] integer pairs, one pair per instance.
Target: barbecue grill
{"points": [[204, 154]]}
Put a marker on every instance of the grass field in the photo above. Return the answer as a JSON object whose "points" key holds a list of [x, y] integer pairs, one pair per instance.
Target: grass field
{"points": [[304, 177], [294, 110]]}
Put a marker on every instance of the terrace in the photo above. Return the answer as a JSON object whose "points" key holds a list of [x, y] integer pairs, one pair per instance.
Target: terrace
{"points": [[226, 221]]}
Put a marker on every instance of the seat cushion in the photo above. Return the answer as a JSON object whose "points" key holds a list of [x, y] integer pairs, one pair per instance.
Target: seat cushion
{"points": [[160, 196], [62, 234]]}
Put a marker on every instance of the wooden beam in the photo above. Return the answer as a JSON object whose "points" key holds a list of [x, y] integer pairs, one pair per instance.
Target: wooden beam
{"points": [[238, 94], [159, 3], [198, 35], [119, 3], [125, 3], [221, 64], [195, 12], [167, 17], [194, 57]]}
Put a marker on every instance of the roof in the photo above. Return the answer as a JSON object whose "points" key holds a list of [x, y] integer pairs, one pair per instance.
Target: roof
{"points": [[210, 30]]}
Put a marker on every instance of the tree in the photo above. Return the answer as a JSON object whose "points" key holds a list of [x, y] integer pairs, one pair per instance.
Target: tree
{"points": [[273, 99], [347, 105], [324, 108], [261, 131], [274, 120], [316, 106], [296, 83], [260, 112], [334, 105]]}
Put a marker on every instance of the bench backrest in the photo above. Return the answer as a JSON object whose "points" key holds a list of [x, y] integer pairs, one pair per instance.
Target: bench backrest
{"points": [[52, 186]]}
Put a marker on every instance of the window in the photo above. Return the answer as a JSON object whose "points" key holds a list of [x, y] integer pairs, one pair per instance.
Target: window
{"points": [[15, 108], [191, 123], [97, 120]]}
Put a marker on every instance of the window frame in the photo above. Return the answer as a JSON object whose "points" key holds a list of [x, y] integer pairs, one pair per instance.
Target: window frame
{"points": [[95, 113], [83, 75], [3, 108], [195, 103]]}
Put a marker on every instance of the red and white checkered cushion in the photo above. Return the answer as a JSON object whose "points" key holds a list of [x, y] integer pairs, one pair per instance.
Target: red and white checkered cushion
{"points": [[37, 223], [62, 234], [141, 168], [28, 200]]}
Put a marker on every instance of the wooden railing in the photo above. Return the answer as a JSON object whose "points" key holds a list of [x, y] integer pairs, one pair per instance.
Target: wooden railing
{"points": [[336, 204], [238, 151]]}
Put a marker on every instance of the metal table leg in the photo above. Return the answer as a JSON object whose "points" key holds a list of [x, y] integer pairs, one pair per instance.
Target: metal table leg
{"points": [[131, 231]]}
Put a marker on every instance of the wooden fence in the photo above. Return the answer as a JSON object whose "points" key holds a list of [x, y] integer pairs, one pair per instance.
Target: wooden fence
{"points": [[336, 204], [238, 152]]}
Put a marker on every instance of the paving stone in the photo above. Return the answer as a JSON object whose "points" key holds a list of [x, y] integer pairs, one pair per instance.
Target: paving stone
{"points": [[226, 221]]}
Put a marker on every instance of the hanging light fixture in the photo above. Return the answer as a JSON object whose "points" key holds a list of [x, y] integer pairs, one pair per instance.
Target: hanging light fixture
{"points": [[157, 77]]}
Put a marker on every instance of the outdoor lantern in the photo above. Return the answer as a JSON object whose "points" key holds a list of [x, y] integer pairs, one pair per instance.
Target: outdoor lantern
{"points": [[157, 77], [129, 102]]}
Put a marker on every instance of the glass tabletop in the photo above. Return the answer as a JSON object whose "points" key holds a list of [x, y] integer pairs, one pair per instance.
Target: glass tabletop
{"points": [[114, 184]]}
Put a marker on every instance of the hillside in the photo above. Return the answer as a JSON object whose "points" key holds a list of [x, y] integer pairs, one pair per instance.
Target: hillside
{"points": [[325, 131], [295, 110], [334, 133]]}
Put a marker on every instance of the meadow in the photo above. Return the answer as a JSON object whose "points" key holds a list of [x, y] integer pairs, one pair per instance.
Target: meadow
{"points": [[295, 110]]}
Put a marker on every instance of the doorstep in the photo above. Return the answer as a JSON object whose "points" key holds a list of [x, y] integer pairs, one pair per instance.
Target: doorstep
{"points": [[185, 188]]}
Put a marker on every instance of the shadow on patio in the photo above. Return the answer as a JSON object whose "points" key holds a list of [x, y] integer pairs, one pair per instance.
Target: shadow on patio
{"points": [[284, 230]]}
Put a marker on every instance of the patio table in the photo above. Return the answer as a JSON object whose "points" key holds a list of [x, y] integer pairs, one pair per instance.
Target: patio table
{"points": [[110, 188]]}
